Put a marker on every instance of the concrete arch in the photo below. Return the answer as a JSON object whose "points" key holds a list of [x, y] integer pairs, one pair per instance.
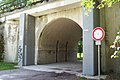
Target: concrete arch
{"points": [[47, 22], [58, 41]]}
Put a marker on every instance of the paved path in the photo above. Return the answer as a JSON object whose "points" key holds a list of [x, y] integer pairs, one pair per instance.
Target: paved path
{"points": [[72, 68], [56, 71], [23, 74]]}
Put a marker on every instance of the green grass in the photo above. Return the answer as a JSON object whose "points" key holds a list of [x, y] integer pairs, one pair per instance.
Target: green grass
{"points": [[83, 78], [6, 66]]}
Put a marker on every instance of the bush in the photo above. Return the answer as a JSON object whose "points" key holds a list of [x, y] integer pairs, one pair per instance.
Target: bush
{"points": [[116, 46]]}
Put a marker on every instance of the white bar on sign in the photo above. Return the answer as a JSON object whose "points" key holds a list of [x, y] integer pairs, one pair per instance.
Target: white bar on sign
{"points": [[98, 43]]}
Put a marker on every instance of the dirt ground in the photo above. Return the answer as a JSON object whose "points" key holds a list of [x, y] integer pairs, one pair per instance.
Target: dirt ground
{"points": [[23, 74]]}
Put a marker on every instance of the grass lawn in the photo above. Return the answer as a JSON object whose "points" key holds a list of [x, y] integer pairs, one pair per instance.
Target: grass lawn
{"points": [[6, 66], [82, 78]]}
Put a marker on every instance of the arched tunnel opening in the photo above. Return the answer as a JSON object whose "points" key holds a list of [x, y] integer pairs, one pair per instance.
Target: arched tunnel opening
{"points": [[58, 41]]}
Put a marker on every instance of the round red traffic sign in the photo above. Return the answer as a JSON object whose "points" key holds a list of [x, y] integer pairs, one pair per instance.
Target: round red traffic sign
{"points": [[98, 34]]}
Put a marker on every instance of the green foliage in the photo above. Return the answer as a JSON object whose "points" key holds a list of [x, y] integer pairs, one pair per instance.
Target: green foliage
{"points": [[79, 56], [116, 46], [83, 78], [5, 1], [29, 2], [89, 4], [80, 50], [10, 5], [108, 3], [80, 46]]}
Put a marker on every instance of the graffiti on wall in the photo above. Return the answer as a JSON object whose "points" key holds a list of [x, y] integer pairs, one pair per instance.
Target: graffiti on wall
{"points": [[20, 55]]}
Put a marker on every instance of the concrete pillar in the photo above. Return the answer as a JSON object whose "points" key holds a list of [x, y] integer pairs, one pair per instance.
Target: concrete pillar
{"points": [[26, 48], [89, 49]]}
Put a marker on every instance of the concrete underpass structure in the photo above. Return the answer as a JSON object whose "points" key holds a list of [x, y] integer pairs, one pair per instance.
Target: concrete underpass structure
{"points": [[49, 33], [58, 41]]}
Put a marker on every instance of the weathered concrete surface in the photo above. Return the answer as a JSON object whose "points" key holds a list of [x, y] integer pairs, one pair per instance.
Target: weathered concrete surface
{"points": [[110, 22], [44, 14], [23, 74], [58, 41], [72, 68], [59, 26], [11, 31], [56, 71], [26, 46], [11, 40], [109, 18]]}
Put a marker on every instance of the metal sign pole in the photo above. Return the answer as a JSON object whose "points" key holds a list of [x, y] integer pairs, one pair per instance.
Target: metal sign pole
{"points": [[98, 34], [98, 62], [98, 43]]}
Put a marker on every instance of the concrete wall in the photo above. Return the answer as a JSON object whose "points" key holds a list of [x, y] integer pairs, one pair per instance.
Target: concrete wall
{"points": [[75, 14], [71, 56], [109, 18], [46, 56], [110, 21], [11, 41], [44, 14], [11, 31]]}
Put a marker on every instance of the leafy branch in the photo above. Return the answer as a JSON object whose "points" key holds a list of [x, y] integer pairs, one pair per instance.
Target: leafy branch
{"points": [[116, 46], [89, 4]]}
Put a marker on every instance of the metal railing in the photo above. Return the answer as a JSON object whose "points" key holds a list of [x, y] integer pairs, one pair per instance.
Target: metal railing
{"points": [[17, 4]]}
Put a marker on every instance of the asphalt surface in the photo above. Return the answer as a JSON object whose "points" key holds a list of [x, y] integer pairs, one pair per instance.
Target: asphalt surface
{"points": [[24, 74]]}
